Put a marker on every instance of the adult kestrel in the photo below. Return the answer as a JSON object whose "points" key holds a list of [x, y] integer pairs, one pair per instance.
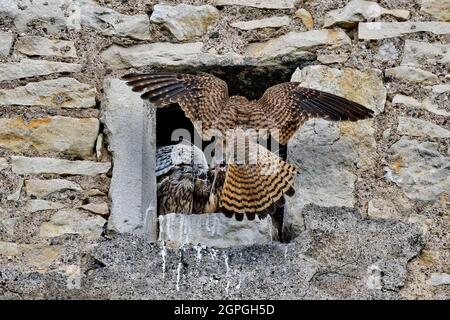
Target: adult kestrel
{"points": [[255, 183]]}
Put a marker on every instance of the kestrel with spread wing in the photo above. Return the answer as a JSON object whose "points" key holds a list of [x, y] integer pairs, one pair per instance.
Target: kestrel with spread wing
{"points": [[255, 183]]}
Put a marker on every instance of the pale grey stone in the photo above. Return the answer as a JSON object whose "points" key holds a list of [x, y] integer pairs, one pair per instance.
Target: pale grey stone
{"points": [[412, 74], [438, 9], [167, 54], [420, 128], [388, 52], [382, 30], [109, 22], [332, 58], [426, 104], [41, 46], [15, 196], [212, 230], [297, 43], [6, 40], [36, 205], [26, 165], [439, 279], [53, 15], [417, 53], [97, 208], [9, 249], [359, 10], [265, 4], [72, 221], [74, 136], [419, 169], [56, 93], [31, 68], [43, 188], [3, 164], [271, 22], [132, 144], [8, 225], [185, 21], [366, 87]]}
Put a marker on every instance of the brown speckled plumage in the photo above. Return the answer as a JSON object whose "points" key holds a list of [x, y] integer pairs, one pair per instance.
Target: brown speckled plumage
{"points": [[248, 187]]}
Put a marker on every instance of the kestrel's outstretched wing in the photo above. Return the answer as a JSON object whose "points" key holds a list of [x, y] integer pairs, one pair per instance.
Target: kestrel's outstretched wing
{"points": [[288, 106], [202, 97]]}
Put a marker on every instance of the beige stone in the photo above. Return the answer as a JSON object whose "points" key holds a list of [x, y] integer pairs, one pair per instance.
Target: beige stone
{"points": [[360, 10], [42, 188], [3, 164], [412, 74], [31, 68], [420, 128], [56, 93], [438, 9], [185, 21], [9, 249], [41, 46], [72, 221], [25, 165], [297, 43], [383, 30], [97, 208], [37, 205], [58, 134], [270, 22], [265, 4], [306, 18]]}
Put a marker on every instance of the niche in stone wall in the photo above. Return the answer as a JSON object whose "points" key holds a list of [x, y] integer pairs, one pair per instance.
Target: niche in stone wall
{"points": [[214, 228]]}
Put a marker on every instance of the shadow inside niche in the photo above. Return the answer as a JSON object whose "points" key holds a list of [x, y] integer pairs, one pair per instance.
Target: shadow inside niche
{"points": [[248, 81]]}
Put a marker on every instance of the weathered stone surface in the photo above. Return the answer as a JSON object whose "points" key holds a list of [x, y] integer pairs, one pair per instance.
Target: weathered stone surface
{"points": [[25, 165], [381, 208], [72, 14], [332, 58], [167, 54], [97, 208], [420, 128], [8, 225], [6, 40], [365, 88], [411, 74], [388, 52], [53, 15], [439, 279], [438, 9], [266, 4], [382, 30], [212, 230], [185, 21], [419, 169], [427, 104], [306, 18], [56, 93], [61, 134], [341, 268], [417, 53], [271, 22], [31, 68], [296, 43], [15, 196], [360, 10], [36, 205], [3, 164], [72, 221], [42, 188], [109, 22], [9, 249], [132, 144], [41, 46], [326, 152]]}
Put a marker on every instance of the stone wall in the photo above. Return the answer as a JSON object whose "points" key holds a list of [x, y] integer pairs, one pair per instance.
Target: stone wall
{"points": [[370, 218]]}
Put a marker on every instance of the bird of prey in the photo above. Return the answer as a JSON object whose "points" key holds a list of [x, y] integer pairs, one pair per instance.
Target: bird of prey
{"points": [[256, 182], [183, 182]]}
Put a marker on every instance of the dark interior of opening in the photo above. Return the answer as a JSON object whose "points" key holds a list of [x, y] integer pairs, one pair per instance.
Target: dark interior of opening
{"points": [[247, 81]]}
